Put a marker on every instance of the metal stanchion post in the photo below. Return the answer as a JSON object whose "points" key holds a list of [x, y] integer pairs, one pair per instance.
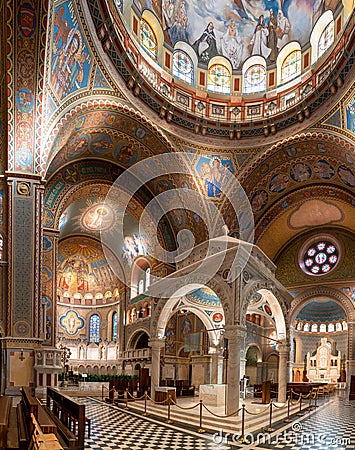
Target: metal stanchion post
{"points": [[145, 403], [242, 438], [300, 410], [288, 420], [309, 407], [126, 407], [270, 429], [102, 392], [315, 399], [169, 420], [200, 429]]}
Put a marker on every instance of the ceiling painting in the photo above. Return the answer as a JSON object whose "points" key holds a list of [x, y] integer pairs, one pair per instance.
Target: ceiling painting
{"points": [[315, 213], [237, 29]]}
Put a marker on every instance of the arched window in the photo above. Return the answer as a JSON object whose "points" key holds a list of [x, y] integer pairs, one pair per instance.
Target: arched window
{"points": [[338, 327], [314, 328], [148, 39], [94, 328], [326, 39], [331, 327], [291, 66], [345, 325], [306, 327], [140, 287], [254, 79], [147, 278], [299, 326], [114, 326], [219, 79], [183, 67], [323, 328]]}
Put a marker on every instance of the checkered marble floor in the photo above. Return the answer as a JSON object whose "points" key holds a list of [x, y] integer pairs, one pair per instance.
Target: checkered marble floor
{"points": [[331, 427], [112, 428]]}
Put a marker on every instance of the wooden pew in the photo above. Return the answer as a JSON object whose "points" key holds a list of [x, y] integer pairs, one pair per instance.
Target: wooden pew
{"points": [[69, 416], [30, 405], [5, 404]]}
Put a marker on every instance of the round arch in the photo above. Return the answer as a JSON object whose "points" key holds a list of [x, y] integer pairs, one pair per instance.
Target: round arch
{"points": [[133, 340]]}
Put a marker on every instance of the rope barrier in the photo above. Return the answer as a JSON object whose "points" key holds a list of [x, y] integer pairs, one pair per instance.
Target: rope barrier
{"points": [[258, 413], [222, 417], [182, 407]]}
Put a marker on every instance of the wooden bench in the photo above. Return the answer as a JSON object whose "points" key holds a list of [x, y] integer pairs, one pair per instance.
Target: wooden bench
{"points": [[5, 404], [30, 405], [41, 441], [69, 417]]}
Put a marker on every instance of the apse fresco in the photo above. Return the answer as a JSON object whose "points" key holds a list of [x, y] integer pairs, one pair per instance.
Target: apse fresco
{"points": [[70, 62], [237, 29]]}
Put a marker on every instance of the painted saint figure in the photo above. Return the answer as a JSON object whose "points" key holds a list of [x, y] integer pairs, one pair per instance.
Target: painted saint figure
{"points": [[282, 30], [232, 46], [259, 39], [272, 38], [206, 45]]}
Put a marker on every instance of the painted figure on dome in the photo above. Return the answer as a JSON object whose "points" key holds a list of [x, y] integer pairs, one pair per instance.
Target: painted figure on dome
{"points": [[179, 22], [232, 46], [272, 38], [283, 29], [206, 45], [259, 40]]}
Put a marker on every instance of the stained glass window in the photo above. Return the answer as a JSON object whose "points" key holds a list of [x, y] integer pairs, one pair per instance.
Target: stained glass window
{"points": [[140, 286], [291, 66], [254, 79], [183, 67], [306, 327], [338, 327], [219, 79], [326, 38], [323, 328], [147, 278], [320, 258], [148, 39], [331, 327], [314, 327], [94, 333], [114, 326]]}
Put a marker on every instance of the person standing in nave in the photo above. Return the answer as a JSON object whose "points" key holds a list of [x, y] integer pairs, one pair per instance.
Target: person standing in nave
{"points": [[259, 39], [272, 38]]}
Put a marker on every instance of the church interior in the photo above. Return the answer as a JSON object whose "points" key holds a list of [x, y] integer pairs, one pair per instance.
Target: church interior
{"points": [[177, 194]]}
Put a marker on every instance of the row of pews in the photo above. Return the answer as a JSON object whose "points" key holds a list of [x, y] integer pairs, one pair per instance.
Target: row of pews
{"points": [[60, 424]]}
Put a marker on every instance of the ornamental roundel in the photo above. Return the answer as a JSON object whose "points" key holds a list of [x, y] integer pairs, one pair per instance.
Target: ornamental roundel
{"points": [[319, 256], [98, 217]]}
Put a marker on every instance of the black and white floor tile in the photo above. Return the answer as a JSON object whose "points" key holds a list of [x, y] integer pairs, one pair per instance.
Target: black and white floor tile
{"points": [[331, 427]]}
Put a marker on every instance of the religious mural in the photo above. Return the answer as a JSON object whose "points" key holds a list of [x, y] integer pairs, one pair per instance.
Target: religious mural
{"points": [[71, 322], [215, 171], [237, 29], [70, 62]]}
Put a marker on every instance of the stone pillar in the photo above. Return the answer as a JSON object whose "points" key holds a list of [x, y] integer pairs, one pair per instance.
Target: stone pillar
{"points": [[25, 321], [235, 336], [283, 372], [217, 364], [156, 344]]}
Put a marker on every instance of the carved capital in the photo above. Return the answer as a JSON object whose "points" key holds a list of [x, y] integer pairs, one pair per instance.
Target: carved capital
{"points": [[234, 332], [156, 343]]}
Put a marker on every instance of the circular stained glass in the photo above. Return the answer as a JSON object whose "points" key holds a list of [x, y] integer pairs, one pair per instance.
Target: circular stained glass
{"points": [[319, 258]]}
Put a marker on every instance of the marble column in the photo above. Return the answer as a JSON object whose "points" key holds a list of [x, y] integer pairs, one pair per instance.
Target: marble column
{"points": [[283, 372], [217, 364], [156, 344], [235, 336]]}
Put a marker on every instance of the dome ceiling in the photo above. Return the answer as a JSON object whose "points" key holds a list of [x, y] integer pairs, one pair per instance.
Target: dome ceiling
{"points": [[321, 311], [204, 296]]}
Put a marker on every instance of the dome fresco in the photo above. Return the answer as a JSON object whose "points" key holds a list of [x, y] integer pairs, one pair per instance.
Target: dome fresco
{"points": [[321, 311], [204, 296], [238, 29]]}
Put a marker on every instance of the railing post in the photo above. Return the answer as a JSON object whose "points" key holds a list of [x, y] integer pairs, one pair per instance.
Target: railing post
{"points": [[169, 420], [315, 399], [126, 407], [242, 438], [288, 420], [200, 429], [270, 429], [309, 408], [300, 410], [145, 403]]}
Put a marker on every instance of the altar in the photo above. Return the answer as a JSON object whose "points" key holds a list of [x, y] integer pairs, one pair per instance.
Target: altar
{"points": [[162, 393], [213, 394]]}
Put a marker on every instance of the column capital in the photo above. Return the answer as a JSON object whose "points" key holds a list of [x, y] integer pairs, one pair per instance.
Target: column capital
{"points": [[283, 347], [157, 343], [233, 332]]}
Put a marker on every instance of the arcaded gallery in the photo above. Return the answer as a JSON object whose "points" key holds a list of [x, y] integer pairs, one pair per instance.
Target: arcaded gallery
{"points": [[177, 224]]}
